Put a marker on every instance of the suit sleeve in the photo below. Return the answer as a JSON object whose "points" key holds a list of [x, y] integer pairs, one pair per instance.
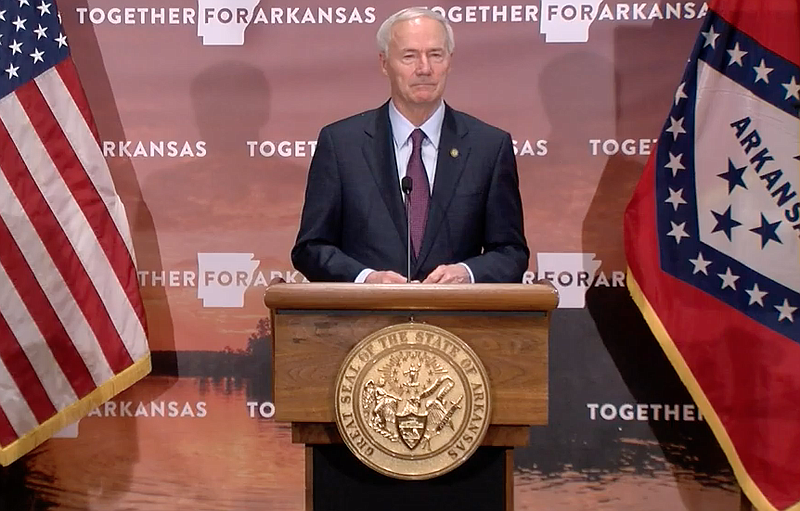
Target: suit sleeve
{"points": [[317, 253], [505, 251]]}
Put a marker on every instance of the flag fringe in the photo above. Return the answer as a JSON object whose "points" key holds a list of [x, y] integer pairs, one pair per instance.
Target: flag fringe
{"points": [[75, 411], [749, 488]]}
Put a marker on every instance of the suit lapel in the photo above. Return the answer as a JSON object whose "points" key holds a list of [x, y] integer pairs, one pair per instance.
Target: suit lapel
{"points": [[453, 153], [378, 150]]}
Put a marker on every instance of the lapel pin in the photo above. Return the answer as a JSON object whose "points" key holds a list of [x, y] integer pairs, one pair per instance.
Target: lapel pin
{"points": [[454, 152]]}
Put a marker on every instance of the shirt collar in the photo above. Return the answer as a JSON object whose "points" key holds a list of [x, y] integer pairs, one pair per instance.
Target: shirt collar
{"points": [[402, 127]]}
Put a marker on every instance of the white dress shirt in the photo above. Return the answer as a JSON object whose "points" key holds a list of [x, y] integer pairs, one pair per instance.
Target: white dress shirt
{"points": [[401, 134]]}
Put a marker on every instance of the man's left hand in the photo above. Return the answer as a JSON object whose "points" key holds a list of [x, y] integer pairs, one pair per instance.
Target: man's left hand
{"points": [[448, 274]]}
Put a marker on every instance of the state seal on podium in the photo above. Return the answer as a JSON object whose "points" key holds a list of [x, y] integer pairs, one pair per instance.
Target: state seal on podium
{"points": [[412, 401]]}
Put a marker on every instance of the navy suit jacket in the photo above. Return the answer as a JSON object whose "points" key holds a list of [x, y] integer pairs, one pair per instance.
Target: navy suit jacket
{"points": [[354, 217]]}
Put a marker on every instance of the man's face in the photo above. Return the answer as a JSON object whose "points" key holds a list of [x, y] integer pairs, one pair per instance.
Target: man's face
{"points": [[417, 63]]}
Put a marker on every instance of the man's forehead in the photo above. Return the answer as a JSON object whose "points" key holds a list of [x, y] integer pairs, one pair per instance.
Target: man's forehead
{"points": [[416, 42], [418, 27], [419, 46]]}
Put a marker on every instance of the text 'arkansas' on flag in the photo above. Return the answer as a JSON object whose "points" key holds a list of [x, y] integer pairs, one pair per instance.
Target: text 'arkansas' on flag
{"points": [[72, 326], [712, 238]]}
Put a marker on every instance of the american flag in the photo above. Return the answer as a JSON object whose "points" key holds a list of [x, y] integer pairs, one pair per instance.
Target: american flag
{"points": [[712, 237], [72, 325]]}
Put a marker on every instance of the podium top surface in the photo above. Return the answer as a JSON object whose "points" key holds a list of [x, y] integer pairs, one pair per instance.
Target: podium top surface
{"points": [[428, 297]]}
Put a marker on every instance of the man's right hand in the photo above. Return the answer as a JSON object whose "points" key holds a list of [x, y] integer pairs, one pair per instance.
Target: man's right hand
{"points": [[385, 277]]}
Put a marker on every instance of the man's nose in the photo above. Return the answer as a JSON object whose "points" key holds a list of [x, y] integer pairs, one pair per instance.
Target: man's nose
{"points": [[423, 65]]}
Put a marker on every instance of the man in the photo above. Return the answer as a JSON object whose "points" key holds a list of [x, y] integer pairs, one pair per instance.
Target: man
{"points": [[464, 206]]}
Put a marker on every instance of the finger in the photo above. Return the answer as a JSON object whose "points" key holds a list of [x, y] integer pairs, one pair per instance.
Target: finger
{"points": [[394, 278], [456, 274], [436, 275], [448, 278], [431, 278], [377, 277]]}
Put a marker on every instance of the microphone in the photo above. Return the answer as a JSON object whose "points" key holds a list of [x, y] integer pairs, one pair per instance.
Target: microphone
{"points": [[407, 184]]}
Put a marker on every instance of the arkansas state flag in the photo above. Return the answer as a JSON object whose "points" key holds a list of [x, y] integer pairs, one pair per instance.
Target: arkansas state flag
{"points": [[712, 237]]}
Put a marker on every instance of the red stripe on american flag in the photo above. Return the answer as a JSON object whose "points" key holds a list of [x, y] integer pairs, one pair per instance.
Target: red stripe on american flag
{"points": [[69, 75], [7, 433], [40, 309], [82, 189], [63, 255], [23, 374]]}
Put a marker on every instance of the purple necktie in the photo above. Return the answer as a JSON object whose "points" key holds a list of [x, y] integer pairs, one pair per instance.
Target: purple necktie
{"points": [[420, 194]]}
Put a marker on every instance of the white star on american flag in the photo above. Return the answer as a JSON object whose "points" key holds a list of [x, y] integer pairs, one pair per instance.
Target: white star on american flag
{"points": [[44, 8], [12, 71], [40, 32], [37, 56], [19, 23]]}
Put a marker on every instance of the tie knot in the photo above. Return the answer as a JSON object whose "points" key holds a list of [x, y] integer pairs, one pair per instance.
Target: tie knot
{"points": [[417, 136]]}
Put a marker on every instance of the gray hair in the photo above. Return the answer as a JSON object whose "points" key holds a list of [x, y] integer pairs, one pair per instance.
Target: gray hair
{"points": [[410, 13]]}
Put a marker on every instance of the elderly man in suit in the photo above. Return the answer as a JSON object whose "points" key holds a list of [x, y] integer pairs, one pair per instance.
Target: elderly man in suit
{"points": [[464, 208]]}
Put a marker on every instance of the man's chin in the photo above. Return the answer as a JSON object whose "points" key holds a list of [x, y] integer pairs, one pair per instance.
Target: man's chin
{"points": [[426, 99]]}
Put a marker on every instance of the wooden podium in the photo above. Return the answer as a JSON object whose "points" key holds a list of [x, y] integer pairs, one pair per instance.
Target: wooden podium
{"points": [[314, 327]]}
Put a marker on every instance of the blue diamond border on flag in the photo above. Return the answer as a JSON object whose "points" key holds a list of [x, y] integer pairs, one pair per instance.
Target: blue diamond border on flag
{"points": [[728, 193]]}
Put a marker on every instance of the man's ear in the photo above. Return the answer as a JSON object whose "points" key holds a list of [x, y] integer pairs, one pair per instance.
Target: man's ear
{"points": [[384, 62]]}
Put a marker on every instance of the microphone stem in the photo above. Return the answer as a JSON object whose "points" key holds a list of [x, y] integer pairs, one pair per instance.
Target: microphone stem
{"points": [[407, 185], [408, 238]]}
